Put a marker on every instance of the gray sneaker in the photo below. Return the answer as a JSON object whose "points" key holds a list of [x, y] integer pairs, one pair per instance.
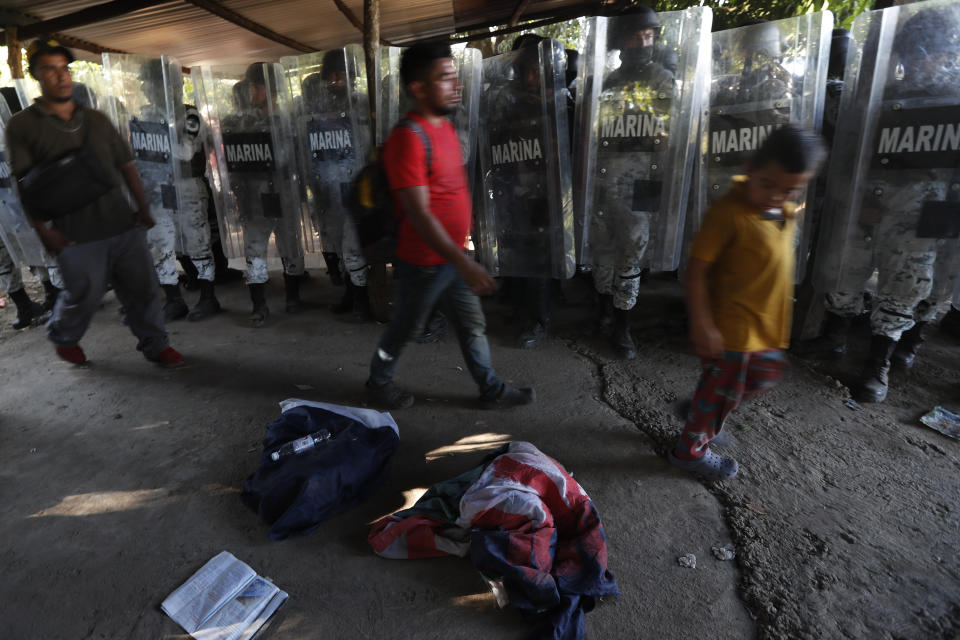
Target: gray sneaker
{"points": [[509, 397], [710, 465], [389, 396]]}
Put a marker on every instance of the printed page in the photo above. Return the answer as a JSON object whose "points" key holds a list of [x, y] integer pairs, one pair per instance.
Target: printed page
{"points": [[237, 615], [278, 599], [207, 591]]}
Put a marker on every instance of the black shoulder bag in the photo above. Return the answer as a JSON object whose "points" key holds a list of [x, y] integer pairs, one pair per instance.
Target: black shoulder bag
{"points": [[65, 184]]}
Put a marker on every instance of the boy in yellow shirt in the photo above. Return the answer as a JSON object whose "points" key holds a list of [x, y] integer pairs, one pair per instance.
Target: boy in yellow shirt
{"points": [[740, 292]]}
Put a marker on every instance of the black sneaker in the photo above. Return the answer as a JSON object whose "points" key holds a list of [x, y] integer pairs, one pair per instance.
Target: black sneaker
{"points": [[509, 397], [389, 396]]}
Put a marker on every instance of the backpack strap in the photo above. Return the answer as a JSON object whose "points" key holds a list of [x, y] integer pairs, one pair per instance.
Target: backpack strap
{"points": [[413, 125]]}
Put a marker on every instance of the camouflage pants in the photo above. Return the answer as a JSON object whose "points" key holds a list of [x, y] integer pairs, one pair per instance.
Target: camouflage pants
{"points": [[256, 242], [618, 243], [351, 256], [11, 280], [11, 276], [162, 239], [190, 230], [338, 234], [915, 274], [195, 227]]}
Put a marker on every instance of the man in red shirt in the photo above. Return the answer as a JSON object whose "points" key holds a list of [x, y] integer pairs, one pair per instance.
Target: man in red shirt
{"points": [[429, 185]]}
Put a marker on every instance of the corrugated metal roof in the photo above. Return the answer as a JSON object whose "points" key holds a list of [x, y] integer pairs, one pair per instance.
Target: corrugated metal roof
{"points": [[196, 36]]}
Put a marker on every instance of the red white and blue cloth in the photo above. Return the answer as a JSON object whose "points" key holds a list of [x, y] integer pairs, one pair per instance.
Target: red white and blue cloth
{"points": [[520, 517]]}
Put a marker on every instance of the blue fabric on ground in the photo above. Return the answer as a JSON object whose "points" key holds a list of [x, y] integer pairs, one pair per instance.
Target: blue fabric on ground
{"points": [[296, 493]]}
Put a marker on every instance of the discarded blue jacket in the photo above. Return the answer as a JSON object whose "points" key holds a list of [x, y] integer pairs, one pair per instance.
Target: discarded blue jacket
{"points": [[296, 493]]}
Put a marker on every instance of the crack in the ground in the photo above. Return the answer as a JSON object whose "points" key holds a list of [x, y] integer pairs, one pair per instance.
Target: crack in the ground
{"points": [[660, 442]]}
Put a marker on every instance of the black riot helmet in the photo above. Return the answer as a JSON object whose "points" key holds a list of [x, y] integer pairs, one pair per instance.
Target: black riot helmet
{"points": [[255, 74], [635, 34], [152, 83], [934, 31], [334, 71], [627, 24], [927, 46], [152, 71], [334, 61], [526, 67], [526, 40]]}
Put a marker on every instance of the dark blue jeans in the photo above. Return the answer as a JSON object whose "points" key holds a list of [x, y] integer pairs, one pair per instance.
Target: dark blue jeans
{"points": [[420, 288]]}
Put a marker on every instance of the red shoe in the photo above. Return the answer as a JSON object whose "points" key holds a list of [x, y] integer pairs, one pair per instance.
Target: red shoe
{"points": [[169, 358], [73, 355]]}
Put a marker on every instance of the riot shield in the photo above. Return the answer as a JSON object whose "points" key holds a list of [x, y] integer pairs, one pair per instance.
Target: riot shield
{"points": [[893, 192], [392, 101], [147, 108], [640, 141], [332, 129], [469, 62], [252, 160], [525, 224], [16, 231], [764, 76]]}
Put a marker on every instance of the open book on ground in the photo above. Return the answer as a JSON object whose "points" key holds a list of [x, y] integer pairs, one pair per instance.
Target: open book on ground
{"points": [[224, 600]]}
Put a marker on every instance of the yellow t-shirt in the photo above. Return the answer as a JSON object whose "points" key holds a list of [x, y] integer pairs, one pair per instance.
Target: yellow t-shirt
{"points": [[750, 280]]}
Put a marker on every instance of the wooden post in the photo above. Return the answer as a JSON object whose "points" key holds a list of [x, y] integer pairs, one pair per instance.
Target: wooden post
{"points": [[371, 49], [14, 55], [378, 285]]}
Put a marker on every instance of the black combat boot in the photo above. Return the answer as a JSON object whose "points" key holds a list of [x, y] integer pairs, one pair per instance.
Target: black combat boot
{"points": [[189, 279], [361, 306], [333, 268], [208, 305], [873, 382], [260, 313], [28, 312], [291, 286], [346, 301], [51, 293], [604, 318], [620, 337], [950, 323], [175, 307], [909, 346], [831, 344]]}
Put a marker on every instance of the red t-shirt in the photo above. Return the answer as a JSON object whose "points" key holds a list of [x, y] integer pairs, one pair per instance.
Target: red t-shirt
{"points": [[405, 160]]}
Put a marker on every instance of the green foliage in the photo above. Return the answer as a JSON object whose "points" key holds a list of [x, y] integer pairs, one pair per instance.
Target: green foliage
{"points": [[728, 14]]}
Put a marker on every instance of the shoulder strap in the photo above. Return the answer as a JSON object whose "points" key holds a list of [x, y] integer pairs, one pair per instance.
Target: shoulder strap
{"points": [[413, 125]]}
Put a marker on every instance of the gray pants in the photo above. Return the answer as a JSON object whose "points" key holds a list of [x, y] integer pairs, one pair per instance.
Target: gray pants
{"points": [[123, 261]]}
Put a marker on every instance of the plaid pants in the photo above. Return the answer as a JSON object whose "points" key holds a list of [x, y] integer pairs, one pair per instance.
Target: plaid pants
{"points": [[724, 383]]}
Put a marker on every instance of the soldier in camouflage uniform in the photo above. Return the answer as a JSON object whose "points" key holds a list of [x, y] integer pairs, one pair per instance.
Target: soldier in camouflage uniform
{"points": [[326, 98], [620, 225], [157, 180], [260, 201], [193, 221], [916, 274], [29, 313], [524, 217]]}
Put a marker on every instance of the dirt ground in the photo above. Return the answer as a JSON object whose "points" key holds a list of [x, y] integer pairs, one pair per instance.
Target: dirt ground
{"points": [[122, 479]]}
